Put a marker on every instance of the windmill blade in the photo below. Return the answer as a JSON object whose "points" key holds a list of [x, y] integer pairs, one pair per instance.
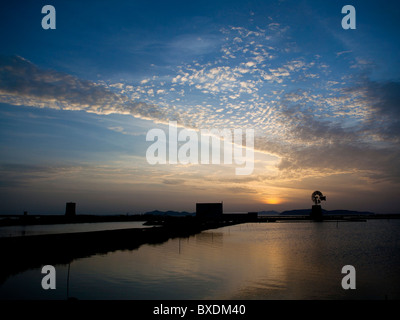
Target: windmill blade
{"points": [[317, 197]]}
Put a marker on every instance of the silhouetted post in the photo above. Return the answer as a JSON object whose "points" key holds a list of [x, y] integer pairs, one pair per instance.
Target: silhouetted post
{"points": [[70, 209], [69, 264]]}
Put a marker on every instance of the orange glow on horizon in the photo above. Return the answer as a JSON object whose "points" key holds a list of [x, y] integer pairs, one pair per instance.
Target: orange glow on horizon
{"points": [[273, 200]]}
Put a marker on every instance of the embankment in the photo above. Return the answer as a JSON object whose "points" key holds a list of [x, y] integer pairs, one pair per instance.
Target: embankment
{"points": [[28, 252]]}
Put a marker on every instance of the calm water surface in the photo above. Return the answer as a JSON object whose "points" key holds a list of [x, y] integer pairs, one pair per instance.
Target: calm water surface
{"points": [[289, 260], [29, 230]]}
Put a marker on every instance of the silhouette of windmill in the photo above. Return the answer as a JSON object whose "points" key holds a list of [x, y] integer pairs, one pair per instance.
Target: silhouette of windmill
{"points": [[316, 211], [317, 197]]}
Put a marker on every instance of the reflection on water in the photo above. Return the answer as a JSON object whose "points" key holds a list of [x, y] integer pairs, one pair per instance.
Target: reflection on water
{"points": [[29, 230], [248, 261]]}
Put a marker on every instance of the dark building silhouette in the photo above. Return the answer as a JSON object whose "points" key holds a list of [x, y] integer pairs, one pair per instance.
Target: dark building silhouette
{"points": [[214, 211], [252, 215], [70, 209], [209, 210]]}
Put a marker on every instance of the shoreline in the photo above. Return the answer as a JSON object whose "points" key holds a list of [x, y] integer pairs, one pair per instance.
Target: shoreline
{"points": [[21, 253], [20, 220], [149, 219]]}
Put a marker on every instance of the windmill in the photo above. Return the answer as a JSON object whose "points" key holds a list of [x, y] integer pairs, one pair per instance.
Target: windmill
{"points": [[316, 212], [317, 197]]}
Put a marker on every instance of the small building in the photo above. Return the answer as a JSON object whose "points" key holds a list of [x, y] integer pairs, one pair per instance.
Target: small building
{"points": [[70, 209], [252, 215], [214, 211], [209, 210]]}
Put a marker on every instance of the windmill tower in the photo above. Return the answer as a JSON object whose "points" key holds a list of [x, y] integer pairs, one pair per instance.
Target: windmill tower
{"points": [[70, 209], [316, 211]]}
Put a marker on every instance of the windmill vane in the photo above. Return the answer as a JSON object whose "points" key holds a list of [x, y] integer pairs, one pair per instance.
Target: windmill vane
{"points": [[317, 197]]}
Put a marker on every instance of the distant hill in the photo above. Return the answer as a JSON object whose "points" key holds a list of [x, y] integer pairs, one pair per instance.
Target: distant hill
{"points": [[268, 213], [170, 213], [328, 212], [299, 212]]}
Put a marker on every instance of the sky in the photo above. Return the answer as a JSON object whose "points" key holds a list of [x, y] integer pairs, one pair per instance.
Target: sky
{"points": [[77, 103]]}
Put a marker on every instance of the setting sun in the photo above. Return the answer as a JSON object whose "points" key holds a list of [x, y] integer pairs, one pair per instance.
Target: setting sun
{"points": [[273, 200]]}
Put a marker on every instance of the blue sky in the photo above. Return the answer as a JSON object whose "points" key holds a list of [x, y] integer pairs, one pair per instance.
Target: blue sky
{"points": [[76, 103]]}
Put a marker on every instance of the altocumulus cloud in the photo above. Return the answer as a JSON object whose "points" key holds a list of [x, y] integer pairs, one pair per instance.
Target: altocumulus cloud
{"points": [[352, 129], [23, 83], [364, 140]]}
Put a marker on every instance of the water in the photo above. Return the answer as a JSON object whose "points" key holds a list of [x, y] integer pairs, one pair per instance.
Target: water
{"points": [[301, 260], [29, 230]]}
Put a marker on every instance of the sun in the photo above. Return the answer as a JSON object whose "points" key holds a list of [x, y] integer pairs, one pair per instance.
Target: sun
{"points": [[273, 200]]}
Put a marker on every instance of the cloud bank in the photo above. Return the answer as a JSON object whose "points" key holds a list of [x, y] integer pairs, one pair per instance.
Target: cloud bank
{"points": [[317, 123], [23, 83]]}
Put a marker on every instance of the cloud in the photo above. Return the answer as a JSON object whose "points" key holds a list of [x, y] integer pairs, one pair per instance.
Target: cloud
{"points": [[241, 190], [192, 45], [333, 125], [23, 175], [343, 52], [23, 83], [364, 140], [173, 181], [118, 129], [383, 99]]}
